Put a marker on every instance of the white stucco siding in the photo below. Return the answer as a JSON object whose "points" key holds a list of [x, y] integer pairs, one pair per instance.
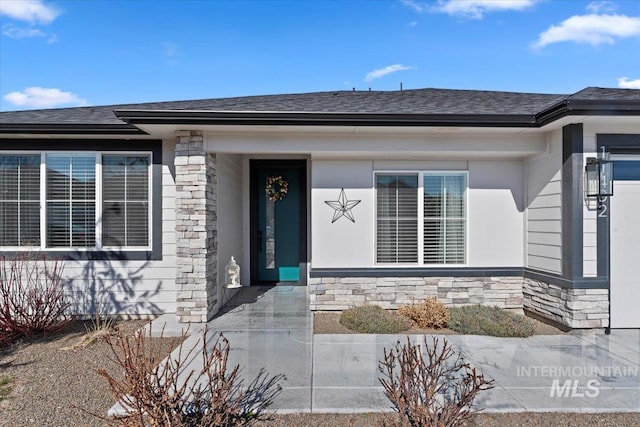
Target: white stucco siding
{"points": [[544, 207], [495, 210], [359, 143], [342, 244], [229, 208]]}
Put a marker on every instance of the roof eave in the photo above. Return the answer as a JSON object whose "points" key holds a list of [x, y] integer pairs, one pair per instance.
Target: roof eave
{"points": [[605, 108], [586, 107], [70, 129], [156, 117]]}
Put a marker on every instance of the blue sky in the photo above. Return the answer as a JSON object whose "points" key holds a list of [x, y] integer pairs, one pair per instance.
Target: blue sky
{"points": [[72, 53]]}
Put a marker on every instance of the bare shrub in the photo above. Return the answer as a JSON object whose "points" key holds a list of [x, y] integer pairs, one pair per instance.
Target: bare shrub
{"points": [[166, 394], [436, 391], [32, 298], [6, 337], [428, 314], [101, 326]]}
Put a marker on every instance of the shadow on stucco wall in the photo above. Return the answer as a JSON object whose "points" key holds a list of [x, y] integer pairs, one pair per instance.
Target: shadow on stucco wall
{"points": [[111, 286]]}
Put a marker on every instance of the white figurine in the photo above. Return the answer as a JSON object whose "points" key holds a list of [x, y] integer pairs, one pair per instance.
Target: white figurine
{"points": [[232, 273]]}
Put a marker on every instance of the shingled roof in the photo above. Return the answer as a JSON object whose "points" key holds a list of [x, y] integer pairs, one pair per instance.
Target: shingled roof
{"points": [[414, 104]]}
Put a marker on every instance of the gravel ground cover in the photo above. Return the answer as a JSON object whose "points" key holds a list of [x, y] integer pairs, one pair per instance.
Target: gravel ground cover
{"points": [[53, 386], [516, 419]]}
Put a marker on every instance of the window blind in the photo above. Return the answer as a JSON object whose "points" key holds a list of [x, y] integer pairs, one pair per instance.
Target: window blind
{"points": [[70, 200], [20, 200], [444, 218], [397, 218], [125, 200]]}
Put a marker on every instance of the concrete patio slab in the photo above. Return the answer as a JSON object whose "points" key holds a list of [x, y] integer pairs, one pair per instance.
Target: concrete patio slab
{"points": [[275, 352], [499, 400], [168, 326], [557, 372], [271, 328], [345, 373], [623, 343]]}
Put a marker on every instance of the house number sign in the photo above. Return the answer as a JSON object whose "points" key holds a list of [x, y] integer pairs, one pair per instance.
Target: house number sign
{"points": [[602, 200], [602, 207]]}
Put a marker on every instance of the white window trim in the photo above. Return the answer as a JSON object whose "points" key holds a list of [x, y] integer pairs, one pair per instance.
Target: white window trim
{"points": [[43, 202], [98, 202], [150, 201], [420, 195]]}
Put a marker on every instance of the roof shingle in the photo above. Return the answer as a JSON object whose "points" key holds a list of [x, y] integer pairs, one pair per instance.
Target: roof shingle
{"points": [[417, 101]]}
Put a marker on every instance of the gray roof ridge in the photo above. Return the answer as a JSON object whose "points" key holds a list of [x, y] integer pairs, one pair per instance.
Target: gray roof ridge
{"points": [[433, 105], [284, 96]]}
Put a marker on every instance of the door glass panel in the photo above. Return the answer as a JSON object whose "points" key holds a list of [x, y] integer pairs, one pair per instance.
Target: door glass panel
{"points": [[271, 234], [278, 225]]}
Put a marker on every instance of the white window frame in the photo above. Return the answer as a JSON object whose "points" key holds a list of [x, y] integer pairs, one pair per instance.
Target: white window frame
{"points": [[420, 195], [98, 201], [26, 153], [150, 199], [43, 201]]}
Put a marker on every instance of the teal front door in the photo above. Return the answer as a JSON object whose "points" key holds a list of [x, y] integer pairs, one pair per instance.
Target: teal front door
{"points": [[278, 200]]}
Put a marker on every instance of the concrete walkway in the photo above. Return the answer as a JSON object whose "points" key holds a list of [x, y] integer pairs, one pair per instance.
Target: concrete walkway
{"points": [[272, 329]]}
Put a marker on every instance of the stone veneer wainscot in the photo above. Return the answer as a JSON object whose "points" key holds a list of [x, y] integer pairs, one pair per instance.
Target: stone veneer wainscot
{"points": [[341, 293], [575, 308]]}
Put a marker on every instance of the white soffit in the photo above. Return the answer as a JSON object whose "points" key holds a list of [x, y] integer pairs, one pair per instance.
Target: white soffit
{"points": [[167, 130]]}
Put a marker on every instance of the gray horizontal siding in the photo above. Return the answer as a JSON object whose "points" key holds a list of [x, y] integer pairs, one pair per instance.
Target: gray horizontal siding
{"points": [[544, 211]]}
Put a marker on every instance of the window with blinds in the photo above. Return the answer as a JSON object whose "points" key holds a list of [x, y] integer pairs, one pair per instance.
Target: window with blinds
{"points": [[74, 200], [434, 233], [20, 200], [71, 200], [397, 218], [444, 218], [125, 200]]}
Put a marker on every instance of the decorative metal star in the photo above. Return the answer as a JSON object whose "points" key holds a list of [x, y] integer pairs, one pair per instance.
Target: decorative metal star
{"points": [[342, 207]]}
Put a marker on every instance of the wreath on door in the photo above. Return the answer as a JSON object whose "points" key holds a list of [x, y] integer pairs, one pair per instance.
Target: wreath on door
{"points": [[277, 188]]}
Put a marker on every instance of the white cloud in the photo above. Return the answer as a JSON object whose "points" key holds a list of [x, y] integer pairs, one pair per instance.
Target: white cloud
{"points": [[22, 33], [625, 83], [416, 6], [40, 97], [29, 10], [475, 9], [381, 72], [592, 29], [601, 7], [14, 32]]}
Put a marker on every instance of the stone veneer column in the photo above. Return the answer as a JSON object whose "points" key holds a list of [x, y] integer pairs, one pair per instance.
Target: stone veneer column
{"points": [[196, 229]]}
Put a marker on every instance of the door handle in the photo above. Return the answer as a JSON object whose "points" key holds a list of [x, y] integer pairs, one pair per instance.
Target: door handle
{"points": [[260, 240]]}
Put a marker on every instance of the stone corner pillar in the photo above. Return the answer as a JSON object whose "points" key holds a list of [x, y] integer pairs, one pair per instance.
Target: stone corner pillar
{"points": [[196, 229]]}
